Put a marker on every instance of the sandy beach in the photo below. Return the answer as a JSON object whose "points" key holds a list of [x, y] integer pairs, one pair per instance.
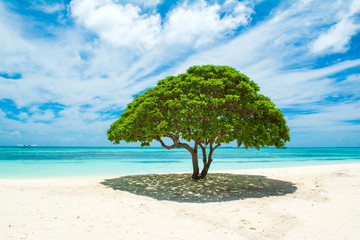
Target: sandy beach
{"points": [[325, 206]]}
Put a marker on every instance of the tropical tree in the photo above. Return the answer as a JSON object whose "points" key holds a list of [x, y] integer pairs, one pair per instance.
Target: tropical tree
{"points": [[204, 107]]}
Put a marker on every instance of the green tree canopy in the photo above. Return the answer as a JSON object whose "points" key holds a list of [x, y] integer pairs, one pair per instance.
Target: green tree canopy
{"points": [[208, 105]]}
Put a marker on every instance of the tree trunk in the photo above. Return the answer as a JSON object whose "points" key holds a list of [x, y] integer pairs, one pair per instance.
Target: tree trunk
{"points": [[195, 165], [204, 171], [178, 144], [207, 162]]}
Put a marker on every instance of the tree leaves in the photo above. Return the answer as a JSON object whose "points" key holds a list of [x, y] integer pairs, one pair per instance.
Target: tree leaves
{"points": [[205, 104]]}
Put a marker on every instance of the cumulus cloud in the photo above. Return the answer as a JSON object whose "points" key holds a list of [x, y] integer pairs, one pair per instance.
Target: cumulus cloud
{"points": [[200, 23], [196, 23], [121, 25]]}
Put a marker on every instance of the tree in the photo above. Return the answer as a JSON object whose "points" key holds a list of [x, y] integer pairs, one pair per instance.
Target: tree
{"points": [[206, 106]]}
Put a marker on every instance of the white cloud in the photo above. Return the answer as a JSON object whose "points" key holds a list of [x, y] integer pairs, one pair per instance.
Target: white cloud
{"points": [[338, 36], [144, 3], [304, 86], [70, 126], [196, 24], [329, 118], [120, 25], [14, 48], [2, 114], [349, 87], [200, 23], [50, 8], [22, 116], [336, 40], [47, 115]]}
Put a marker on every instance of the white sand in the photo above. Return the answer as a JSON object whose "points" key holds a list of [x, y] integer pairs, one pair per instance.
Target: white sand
{"points": [[325, 206]]}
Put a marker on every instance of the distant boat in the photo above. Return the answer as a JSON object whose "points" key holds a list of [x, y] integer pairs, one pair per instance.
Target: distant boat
{"points": [[26, 146]]}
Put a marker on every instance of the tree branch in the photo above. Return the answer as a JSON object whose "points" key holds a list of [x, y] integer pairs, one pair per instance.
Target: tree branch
{"points": [[177, 143], [164, 145], [187, 147], [219, 144], [189, 131], [212, 149]]}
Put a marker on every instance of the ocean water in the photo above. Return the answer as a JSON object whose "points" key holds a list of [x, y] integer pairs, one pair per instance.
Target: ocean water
{"points": [[38, 162]]}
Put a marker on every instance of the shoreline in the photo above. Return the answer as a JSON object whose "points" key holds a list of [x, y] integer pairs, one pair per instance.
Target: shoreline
{"points": [[233, 171], [325, 206], [99, 162]]}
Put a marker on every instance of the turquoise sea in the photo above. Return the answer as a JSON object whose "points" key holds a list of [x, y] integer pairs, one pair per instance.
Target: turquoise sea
{"points": [[16, 162]]}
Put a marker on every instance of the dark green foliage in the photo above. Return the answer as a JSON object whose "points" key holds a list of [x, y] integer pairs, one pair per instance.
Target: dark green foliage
{"points": [[208, 105], [217, 187]]}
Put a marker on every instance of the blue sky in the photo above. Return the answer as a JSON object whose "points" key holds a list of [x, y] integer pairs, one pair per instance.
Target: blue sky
{"points": [[68, 68]]}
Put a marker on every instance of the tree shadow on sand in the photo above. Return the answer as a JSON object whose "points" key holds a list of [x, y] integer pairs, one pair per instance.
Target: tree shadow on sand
{"points": [[217, 187]]}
